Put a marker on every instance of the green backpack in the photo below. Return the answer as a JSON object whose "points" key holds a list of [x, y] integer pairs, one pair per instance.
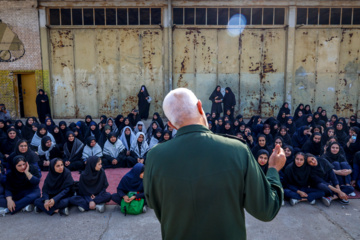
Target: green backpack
{"points": [[135, 207]]}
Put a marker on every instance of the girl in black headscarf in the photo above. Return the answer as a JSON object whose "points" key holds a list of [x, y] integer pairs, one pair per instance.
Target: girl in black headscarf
{"points": [[229, 101], [56, 190], [131, 182], [261, 144], [353, 121], [282, 118], [43, 106], [22, 148], [155, 139], [300, 137], [151, 130], [299, 108], [316, 118], [47, 151], [228, 128], [341, 135], [323, 116], [119, 120], [104, 136], [345, 125], [22, 186], [19, 126], [307, 110], [40, 133], [93, 131], [114, 152], [220, 127], [134, 117], [91, 148], [158, 119], [216, 98], [285, 135], [88, 120], [73, 149], [8, 144], [92, 187], [329, 132], [313, 145], [334, 118], [2, 131], [63, 128], [342, 168], [49, 123], [322, 177], [290, 156], [262, 157], [143, 103], [353, 144], [297, 176], [59, 139]]}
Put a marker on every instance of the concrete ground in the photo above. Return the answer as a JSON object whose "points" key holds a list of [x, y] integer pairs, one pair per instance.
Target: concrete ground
{"points": [[302, 221]]}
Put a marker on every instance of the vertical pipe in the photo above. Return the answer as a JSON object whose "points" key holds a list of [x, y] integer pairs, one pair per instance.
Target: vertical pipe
{"points": [[170, 45]]}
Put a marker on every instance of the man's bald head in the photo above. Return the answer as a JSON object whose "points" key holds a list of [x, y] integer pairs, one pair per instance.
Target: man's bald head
{"points": [[181, 108]]}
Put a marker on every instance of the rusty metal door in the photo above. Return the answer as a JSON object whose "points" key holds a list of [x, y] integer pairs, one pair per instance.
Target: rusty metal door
{"points": [[100, 71], [252, 64], [326, 70]]}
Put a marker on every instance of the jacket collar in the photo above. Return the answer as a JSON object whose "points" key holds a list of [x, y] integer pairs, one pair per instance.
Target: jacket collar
{"points": [[192, 128]]}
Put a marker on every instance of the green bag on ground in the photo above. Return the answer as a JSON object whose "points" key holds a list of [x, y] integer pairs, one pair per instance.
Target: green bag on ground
{"points": [[135, 207]]}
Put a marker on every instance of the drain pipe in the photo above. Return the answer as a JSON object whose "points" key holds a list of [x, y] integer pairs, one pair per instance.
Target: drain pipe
{"points": [[170, 43]]}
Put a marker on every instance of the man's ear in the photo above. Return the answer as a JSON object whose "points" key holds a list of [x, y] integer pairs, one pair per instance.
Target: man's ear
{"points": [[200, 109], [171, 125]]}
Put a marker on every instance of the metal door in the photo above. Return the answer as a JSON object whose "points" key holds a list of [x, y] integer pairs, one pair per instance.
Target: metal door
{"points": [[28, 88]]}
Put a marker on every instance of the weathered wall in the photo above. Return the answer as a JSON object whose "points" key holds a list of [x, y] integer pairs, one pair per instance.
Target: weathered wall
{"points": [[100, 71], [252, 65], [326, 69], [21, 19]]}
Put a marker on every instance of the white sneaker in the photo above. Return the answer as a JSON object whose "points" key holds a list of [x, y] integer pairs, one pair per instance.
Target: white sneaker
{"points": [[293, 201], [100, 208], [353, 194], [144, 209], [313, 202], [81, 209], [4, 211], [28, 208], [283, 203]]}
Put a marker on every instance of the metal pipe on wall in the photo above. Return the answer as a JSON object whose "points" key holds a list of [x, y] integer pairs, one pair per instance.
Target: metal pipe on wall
{"points": [[170, 43]]}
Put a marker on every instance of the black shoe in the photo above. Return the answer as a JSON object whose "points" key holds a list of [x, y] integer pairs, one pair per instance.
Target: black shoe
{"points": [[343, 201], [64, 212]]}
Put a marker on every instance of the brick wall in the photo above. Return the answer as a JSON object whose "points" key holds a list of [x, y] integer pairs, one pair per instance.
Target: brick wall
{"points": [[22, 18]]}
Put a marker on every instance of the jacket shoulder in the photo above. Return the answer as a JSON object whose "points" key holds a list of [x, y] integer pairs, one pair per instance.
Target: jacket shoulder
{"points": [[231, 137]]}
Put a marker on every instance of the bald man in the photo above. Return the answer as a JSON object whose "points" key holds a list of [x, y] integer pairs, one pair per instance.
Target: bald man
{"points": [[199, 183]]}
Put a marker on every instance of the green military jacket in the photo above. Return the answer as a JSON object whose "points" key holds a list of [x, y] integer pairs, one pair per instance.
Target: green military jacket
{"points": [[199, 184]]}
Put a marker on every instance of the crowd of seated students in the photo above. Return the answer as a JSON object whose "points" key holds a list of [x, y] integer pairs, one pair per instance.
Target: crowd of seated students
{"points": [[323, 156]]}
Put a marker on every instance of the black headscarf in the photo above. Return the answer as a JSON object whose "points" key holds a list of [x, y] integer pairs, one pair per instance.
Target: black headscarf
{"points": [[266, 166], [43, 143], [17, 181], [341, 134], [311, 146], [298, 176], [30, 156], [324, 118], [257, 147], [42, 126], [56, 182], [297, 111], [334, 157], [289, 159], [118, 123], [92, 182], [307, 111], [325, 137], [43, 108], [132, 182], [8, 144], [59, 138], [322, 167], [88, 123], [158, 120]]}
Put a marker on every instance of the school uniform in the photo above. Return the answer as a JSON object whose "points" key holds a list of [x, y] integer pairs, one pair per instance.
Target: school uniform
{"points": [[57, 186], [114, 150], [91, 182]]}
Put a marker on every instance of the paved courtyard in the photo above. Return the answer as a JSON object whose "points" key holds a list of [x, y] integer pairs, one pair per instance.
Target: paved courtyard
{"points": [[302, 221]]}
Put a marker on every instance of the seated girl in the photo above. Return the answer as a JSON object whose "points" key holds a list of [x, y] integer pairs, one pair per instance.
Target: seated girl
{"points": [[47, 151], [342, 168], [92, 187], [166, 136], [300, 137], [323, 178], [73, 149], [7, 145], [40, 133], [56, 190], [140, 127], [3, 202], [91, 149], [261, 144], [139, 148], [313, 145], [296, 182], [114, 152], [21, 186], [104, 136], [127, 138], [59, 138], [151, 130], [131, 182], [262, 158], [156, 138]]}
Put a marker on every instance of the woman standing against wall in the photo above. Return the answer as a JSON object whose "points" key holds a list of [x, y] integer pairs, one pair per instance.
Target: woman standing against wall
{"points": [[43, 106], [216, 99], [143, 103]]}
